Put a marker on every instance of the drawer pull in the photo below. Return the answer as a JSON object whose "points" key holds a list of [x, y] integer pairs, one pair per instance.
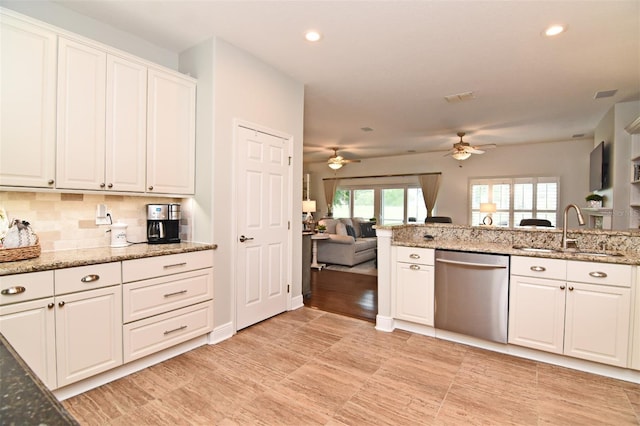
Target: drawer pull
{"points": [[90, 278], [414, 256], [174, 265], [598, 274], [13, 290], [414, 267], [176, 293], [174, 330], [538, 268]]}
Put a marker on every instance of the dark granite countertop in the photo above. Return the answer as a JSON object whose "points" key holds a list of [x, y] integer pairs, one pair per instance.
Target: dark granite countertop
{"points": [[70, 258], [24, 399]]}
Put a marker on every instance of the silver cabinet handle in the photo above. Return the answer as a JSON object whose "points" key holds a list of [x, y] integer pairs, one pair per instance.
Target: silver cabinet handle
{"points": [[414, 256], [243, 238], [598, 274], [90, 278], [174, 265], [414, 267], [538, 268], [174, 330], [13, 290], [175, 293]]}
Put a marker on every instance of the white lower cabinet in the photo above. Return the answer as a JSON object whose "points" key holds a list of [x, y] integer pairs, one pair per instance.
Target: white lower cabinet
{"points": [[30, 328], [413, 284], [88, 333], [167, 300], [584, 312]]}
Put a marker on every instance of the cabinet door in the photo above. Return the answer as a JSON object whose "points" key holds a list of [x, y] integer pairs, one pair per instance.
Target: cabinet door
{"points": [[597, 323], [30, 328], [414, 293], [126, 125], [81, 116], [170, 134], [27, 104], [88, 333], [536, 313]]}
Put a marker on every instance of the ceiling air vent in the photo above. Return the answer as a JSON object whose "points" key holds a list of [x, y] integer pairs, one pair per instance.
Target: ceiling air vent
{"points": [[459, 97], [605, 94]]}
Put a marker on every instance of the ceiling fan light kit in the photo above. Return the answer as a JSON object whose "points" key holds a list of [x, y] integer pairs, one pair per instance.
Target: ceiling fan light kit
{"points": [[337, 161], [462, 150]]}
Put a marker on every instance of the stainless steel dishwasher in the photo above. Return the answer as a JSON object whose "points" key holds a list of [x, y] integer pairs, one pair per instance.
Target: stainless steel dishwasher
{"points": [[472, 294]]}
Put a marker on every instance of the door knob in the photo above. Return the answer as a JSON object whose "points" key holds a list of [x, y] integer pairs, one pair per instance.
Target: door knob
{"points": [[243, 238]]}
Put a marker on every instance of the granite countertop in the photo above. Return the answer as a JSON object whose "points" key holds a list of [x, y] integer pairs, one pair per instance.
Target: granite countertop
{"points": [[627, 258], [70, 258], [505, 240], [24, 399]]}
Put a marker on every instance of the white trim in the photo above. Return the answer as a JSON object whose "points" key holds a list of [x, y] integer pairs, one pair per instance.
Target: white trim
{"points": [[384, 323], [297, 302], [220, 333]]}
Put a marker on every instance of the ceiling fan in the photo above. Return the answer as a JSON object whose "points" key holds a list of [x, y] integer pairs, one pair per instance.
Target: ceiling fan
{"points": [[462, 150], [337, 161]]}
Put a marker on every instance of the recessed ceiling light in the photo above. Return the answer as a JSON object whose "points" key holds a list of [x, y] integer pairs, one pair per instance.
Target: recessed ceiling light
{"points": [[312, 35], [554, 30]]}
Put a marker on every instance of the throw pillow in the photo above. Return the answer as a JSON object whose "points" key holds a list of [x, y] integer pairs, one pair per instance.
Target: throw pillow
{"points": [[351, 231], [367, 229], [341, 229]]}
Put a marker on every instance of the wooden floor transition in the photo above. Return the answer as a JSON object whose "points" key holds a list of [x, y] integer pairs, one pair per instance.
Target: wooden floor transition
{"points": [[309, 367], [344, 293]]}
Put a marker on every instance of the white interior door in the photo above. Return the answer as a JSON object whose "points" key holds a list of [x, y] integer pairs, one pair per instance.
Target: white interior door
{"points": [[262, 234]]}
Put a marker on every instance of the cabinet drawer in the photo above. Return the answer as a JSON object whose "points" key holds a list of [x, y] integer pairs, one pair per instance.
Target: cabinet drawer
{"points": [[82, 278], [423, 256], [599, 273], [23, 287], [151, 267], [143, 299], [144, 337], [539, 267]]}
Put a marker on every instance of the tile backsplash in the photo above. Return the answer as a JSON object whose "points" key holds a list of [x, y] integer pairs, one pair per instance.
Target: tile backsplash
{"points": [[67, 221]]}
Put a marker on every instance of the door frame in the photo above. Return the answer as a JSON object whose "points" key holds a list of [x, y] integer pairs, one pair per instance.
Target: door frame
{"points": [[237, 123]]}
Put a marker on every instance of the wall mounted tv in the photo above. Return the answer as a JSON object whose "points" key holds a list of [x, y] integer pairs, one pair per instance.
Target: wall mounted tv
{"points": [[599, 168]]}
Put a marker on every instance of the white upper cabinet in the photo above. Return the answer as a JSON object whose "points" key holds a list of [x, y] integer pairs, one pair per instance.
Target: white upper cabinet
{"points": [[126, 125], [81, 116], [171, 134], [27, 104]]}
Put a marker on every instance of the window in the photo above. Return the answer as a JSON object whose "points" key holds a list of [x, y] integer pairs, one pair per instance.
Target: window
{"points": [[391, 204], [515, 199]]}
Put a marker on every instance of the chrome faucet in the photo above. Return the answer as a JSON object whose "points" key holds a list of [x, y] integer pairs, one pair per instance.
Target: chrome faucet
{"points": [[566, 240]]}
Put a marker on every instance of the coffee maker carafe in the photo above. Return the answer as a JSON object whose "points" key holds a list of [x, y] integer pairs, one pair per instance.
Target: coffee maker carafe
{"points": [[163, 223]]}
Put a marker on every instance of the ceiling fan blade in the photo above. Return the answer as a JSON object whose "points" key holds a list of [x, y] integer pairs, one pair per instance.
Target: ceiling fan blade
{"points": [[344, 161], [474, 150]]}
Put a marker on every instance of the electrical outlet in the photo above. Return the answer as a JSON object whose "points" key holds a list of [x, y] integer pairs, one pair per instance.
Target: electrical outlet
{"points": [[102, 215]]}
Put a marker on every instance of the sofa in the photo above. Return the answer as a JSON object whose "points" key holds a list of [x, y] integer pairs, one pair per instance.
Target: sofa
{"points": [[351, 241]]}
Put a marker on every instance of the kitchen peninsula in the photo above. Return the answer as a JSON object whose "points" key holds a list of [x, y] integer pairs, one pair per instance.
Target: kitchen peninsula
{"points": [[603, 272]]}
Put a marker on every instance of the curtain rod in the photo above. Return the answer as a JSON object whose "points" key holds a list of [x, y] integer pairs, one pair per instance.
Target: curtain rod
{"points": [[381, 176]]}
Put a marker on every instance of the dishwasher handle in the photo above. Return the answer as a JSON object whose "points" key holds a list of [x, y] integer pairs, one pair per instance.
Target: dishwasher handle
{"points": [[476, 265]]}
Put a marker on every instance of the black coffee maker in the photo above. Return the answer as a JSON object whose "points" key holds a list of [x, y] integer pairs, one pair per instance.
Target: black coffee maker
{"points": [[163, 223]]}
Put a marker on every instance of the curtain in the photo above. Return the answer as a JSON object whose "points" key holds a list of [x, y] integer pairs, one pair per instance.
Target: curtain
{"points": [[430, 185], [330, 186]]}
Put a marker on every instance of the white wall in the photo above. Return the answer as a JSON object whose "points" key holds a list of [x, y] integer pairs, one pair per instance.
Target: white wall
{"points": [[59, 16], [569, 160], [247, 89]]}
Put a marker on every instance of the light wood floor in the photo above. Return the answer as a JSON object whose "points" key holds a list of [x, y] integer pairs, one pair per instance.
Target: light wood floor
{"points": [[308, 367]]}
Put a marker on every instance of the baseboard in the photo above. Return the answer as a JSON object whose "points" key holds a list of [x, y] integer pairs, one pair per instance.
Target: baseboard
{"points": [[220, 333], [297, 302], [384, 323]]}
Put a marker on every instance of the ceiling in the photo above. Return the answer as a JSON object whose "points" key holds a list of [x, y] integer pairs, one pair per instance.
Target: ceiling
{"points": [[388, 65]]}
